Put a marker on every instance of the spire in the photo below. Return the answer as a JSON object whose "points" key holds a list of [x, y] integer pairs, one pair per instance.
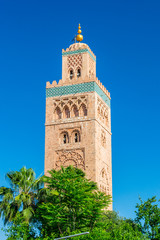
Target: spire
{"points": [[79, 37]]}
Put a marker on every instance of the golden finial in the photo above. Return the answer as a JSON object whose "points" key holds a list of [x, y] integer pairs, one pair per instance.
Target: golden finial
{"points": [[79, 37]]}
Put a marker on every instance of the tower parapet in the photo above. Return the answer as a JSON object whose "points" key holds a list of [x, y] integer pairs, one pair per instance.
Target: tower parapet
{"points": [[95, 86]]}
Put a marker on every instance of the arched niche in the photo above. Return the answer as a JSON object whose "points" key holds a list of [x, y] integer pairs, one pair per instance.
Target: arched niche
{"points": [[58, 113], [66, 112], [83, 110], [75, 112]]}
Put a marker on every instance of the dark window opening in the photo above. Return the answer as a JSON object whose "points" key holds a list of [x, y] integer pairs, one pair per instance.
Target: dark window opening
{"points": [[78, 73], [65, 138], [71, 74], [76, 137]]}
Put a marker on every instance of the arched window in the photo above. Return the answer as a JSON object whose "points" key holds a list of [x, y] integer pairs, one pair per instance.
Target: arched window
{"points": [[66, 112], [76, 137], [71, 74], [58, 113], [78, 72], [64, 138], [75, 111]]}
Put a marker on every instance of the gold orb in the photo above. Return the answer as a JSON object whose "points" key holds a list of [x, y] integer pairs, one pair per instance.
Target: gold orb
{"points": [[79, 38]]}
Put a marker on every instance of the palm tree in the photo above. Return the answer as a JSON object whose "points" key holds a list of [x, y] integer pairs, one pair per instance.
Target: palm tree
{"points": [[22, 197]]}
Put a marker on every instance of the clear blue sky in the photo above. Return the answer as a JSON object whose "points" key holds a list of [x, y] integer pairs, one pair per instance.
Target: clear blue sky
{"points": [[125, 36]]}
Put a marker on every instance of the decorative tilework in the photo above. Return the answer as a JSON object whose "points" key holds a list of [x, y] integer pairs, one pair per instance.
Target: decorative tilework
{"points": [[77, 52], [99, 91], [77, 88]]}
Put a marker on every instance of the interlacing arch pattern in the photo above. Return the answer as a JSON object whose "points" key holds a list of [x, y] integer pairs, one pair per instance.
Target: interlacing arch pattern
{"points": [[104, 181], [70, 107], [74, 64], [103, 138], [91, 66], [72, 157], [74, 61], [102, 112]]}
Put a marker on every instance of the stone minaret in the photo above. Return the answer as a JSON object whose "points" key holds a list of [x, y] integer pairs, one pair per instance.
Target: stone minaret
{"points": [[78, 118]]}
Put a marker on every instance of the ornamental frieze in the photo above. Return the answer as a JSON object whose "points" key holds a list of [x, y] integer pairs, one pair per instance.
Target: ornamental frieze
{"points": [[70, 157]]}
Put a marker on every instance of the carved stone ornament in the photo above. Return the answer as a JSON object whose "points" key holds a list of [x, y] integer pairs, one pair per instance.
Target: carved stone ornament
{"points": [[103, 112], [104, 181], [70, 107], [74, 61], [70, 157], [70, 102], [103, 138]]}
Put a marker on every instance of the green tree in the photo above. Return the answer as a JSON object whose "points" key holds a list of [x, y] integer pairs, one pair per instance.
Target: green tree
{"points": [[148, 218], [111, 226], [20, 230], [21, 197], [74, 203]]}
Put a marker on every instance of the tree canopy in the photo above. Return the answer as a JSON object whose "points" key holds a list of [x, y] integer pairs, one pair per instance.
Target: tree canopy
{"points": [[74, 202], [148, 218], [69, 203], [22, 195]]}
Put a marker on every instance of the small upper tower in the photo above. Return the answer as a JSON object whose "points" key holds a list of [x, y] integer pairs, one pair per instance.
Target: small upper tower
{"points": [[78, 61]]}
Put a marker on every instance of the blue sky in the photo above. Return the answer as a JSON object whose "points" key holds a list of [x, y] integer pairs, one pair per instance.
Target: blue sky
{"points": [[125, 36]]}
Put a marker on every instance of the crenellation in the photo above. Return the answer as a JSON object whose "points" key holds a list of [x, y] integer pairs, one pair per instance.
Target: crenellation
{"points": [[79, 80]]}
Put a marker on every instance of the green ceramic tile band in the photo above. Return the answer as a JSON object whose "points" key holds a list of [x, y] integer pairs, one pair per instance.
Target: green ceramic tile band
{"points": [[77, 88]]}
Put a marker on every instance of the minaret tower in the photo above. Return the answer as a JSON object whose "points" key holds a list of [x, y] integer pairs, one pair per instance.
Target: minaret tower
{"points": [[78, 118]]}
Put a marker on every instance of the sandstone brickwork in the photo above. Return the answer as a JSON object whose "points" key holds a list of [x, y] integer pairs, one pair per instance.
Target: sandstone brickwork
{"points": [[78, 119]]}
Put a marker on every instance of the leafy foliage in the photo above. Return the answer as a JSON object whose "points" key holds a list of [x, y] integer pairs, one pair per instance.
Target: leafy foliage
{"points": [[148, 218], [68, 204], [74, 202], [111, 226], [20, 230], [21, 197]]}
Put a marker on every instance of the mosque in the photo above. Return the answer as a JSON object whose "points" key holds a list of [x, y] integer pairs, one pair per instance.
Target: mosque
{"points": [[78, 118]]}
